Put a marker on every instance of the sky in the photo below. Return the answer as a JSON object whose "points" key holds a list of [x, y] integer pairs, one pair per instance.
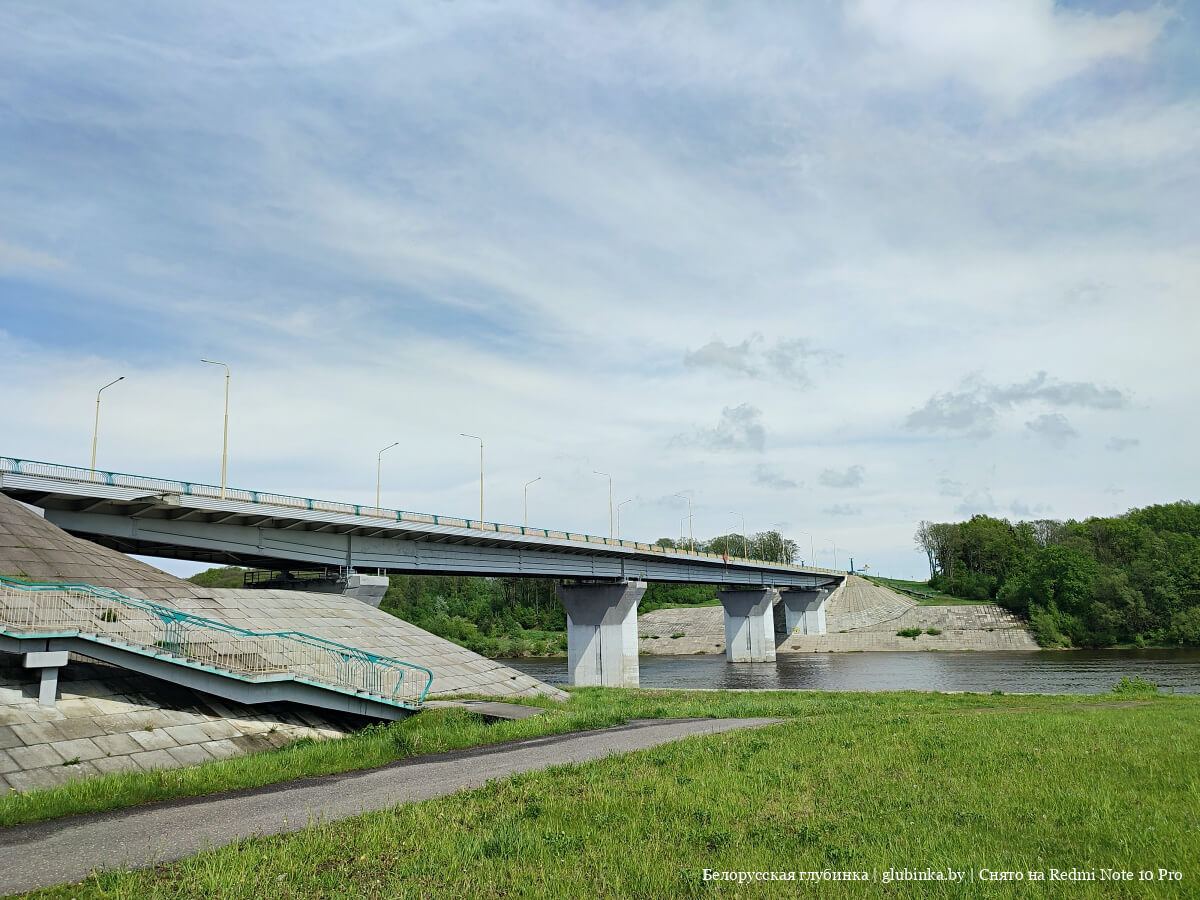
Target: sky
{"points": [[833, 268]]}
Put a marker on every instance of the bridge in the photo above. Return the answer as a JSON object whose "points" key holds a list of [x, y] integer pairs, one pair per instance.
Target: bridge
{"points": [[201, 522]]}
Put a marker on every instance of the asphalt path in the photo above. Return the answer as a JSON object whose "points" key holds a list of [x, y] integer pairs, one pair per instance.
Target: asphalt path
{"points": [[60, 850]]}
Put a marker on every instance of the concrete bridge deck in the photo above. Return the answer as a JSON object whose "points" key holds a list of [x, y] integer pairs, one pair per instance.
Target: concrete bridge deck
{"points": [[185, 520]]}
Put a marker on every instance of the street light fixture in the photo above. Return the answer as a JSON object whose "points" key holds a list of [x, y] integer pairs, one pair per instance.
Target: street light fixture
{"points": [[610, 506], [478, 438], [832, 541], [812, 554], [745, 543], [379, 471], [96, 427], [691, 533], [225, 437], [527, 484], [619, 505], [778, 526]]}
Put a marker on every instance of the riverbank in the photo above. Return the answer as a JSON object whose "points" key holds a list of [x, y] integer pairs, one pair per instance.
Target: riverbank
{"points": [[850, 783]]}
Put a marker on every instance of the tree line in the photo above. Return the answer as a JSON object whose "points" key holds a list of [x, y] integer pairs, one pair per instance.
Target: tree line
{"points": [[1129, 579]]}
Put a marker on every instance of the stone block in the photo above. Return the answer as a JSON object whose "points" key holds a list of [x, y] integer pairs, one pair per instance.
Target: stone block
{"points": [[187, 734], [33, 779], [108, 765], [221, 749], [117, 744], [158, 739], [83, 748], [7, 763], [36, 733], [150, 760], [37, 756], [74, 729], [217, 730], [8, 738], [190, 755]]}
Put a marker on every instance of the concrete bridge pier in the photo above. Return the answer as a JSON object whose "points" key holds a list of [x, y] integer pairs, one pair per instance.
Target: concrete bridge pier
{"points": [[804, 610], [602, 638], [749, 624]]}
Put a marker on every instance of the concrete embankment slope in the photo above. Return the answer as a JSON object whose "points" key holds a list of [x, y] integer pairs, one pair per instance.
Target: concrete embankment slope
{"points": [[859, 615], [108, 719], [31, 547]]}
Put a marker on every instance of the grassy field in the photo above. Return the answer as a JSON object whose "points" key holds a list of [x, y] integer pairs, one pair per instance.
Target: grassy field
{"points": [[933, 598], [851, 782]]}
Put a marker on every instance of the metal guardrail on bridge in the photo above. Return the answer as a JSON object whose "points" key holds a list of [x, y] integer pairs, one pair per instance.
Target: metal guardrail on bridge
{"points": [[51, 610], [14, 466]]}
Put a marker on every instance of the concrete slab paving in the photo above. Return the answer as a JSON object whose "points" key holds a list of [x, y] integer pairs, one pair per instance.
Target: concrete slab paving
{"points": [[48, 853]]}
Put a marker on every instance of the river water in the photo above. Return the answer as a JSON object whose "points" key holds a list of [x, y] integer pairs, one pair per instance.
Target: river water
{"points": [[1029, 672]]}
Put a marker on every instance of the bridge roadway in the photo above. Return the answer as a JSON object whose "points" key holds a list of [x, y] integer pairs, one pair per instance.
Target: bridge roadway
{"points": [[191, 521]]}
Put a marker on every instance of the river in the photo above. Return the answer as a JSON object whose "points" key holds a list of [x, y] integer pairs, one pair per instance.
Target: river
{"points": [[1013, 672]]}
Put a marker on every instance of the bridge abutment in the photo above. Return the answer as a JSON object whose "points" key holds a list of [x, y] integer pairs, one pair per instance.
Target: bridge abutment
{"points": [[749, 624], [804, 610], [367, 588], [602, 638]]}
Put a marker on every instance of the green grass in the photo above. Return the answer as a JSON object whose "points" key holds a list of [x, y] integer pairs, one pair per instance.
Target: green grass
{"points": [[849, 782], [433, 731], [932, 598]]}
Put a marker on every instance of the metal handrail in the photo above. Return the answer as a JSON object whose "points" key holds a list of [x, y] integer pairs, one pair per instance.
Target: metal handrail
{"points": [[85, 610], [15, 466]]}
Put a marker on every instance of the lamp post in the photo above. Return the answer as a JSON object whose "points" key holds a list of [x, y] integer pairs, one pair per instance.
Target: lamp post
{"points": [[478, 438], [691, 534], [745, 543], [225, 437], [96, 427], [379, 471], [527, 484], [832, 541], [778, 526], [619, 505], [812, 554], [610, 506]]}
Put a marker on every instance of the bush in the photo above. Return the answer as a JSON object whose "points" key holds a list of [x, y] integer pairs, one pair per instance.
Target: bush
{"points": [[933, 631], [913, 633], [1134, 687]]}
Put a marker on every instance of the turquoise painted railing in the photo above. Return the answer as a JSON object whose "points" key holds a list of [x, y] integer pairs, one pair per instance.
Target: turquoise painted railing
{"points": [[9, 464], [72, 609]]}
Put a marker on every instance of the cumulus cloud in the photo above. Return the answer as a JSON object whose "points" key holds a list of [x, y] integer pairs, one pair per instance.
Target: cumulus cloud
{"points": [[1007, 52], [769, 476], [973, 411], [851, 477], [1054, 427], [783, 360], [1117, 445], [842, 509], [739, 428]]}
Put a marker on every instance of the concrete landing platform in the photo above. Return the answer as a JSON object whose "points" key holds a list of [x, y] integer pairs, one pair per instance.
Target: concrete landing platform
{"points": [[490, 710]]}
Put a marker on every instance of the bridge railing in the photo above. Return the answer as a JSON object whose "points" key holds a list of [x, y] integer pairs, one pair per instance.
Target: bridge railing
{"points": [[14, 466], [70, 610]]}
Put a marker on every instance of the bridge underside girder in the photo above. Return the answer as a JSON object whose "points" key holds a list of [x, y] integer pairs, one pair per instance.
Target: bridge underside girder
{"points": [[186, 536]]}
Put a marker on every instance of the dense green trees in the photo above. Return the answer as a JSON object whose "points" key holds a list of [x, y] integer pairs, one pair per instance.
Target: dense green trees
{"points": [[1131, 579]]}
